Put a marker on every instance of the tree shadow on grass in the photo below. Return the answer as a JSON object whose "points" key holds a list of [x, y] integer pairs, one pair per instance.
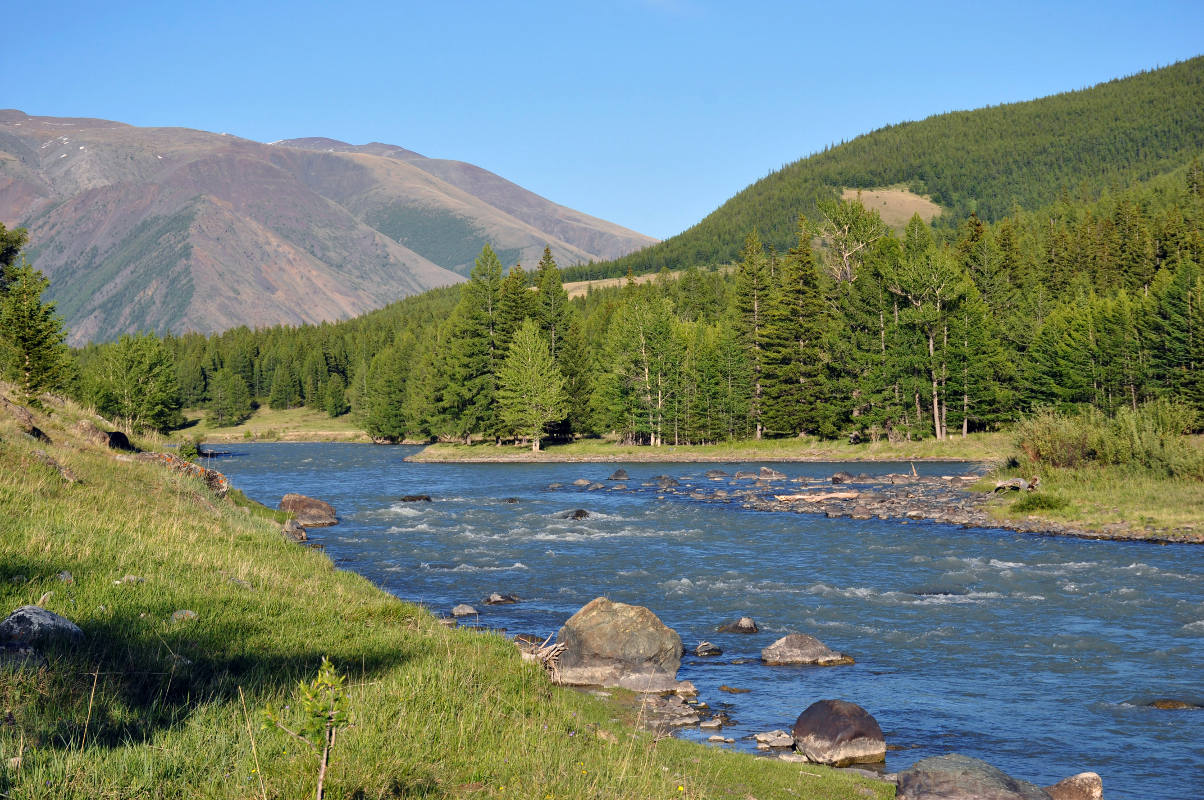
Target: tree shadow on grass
{"points": [[135, 676]]}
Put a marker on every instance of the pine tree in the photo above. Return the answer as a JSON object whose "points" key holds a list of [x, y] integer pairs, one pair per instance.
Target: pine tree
{"points": [[229, 399], [793, 376], [335, 403], [384, 403], [467, 374], [515, 303], [286, 389], [530, 386], [752, 289], [34, 356]]}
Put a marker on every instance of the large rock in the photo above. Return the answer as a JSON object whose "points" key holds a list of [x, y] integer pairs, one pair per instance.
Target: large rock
{"points": [[616, 644], [307, 511], [958, 777], [799, 648], [839, 733], [618, 475], [35, 625], [1084, 786]]}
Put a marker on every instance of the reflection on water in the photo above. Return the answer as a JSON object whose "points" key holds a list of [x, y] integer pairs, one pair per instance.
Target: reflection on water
{"points": [[1035, 654]]}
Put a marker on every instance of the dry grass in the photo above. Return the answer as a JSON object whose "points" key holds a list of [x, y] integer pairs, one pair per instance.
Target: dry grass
{"points": [[896, 206]]}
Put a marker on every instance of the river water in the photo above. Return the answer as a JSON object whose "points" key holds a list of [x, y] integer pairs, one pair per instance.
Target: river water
{"points": [[1036, 654]]}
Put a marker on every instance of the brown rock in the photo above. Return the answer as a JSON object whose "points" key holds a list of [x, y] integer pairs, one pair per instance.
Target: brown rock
{"points": [[91, 433], [958, 777], [307, 511], [616, 644], [839, 733], [799, 648], [1084, 786], [742, 625]]}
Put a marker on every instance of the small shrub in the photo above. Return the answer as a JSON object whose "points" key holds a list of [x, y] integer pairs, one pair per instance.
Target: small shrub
{"points": [[1036, 501], [191, 449]]}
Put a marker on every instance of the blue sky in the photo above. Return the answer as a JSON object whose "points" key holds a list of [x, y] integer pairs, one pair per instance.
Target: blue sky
{"points": [[650, 113]]}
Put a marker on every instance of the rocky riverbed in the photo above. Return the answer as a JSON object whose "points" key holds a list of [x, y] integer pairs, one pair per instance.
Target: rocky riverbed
{"points": [[948, 499]]}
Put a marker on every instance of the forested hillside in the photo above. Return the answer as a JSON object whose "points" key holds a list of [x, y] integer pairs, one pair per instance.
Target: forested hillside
{"points": [[873, 335], [988, 161]]}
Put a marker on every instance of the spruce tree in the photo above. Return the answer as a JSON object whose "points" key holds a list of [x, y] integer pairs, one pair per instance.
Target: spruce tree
{"points": [[229, 398], [471, 358], [752, 289], [530, 386], [793, 366], [384, 403], [34, 355]]}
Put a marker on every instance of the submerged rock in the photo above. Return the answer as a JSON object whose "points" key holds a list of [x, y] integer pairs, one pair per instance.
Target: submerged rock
{"points": [[618, 475], [742, 625], [582, 482], [770, 474], [707, 649], [310, 512], [463, 610], [842, 477], [577, 513], [964, 778], [715, 473], [498, 599], [417, 498], [616, 644], [839, 733], [1169, 704], [799, 648]]}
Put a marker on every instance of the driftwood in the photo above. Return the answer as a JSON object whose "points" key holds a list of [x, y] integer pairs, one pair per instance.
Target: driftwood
{"points": [[547, 655], [1018, 484], [816, 497]]}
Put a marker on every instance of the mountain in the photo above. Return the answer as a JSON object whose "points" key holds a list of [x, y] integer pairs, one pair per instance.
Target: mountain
{"points": [[989, 161], [178, 229]]}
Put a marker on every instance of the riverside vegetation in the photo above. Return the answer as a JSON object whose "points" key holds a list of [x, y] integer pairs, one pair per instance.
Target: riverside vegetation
{"points": [[167, 704]]}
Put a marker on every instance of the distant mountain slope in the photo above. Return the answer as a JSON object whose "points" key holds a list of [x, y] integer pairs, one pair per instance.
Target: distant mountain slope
{"points": [[988, 160], [177, 229]]}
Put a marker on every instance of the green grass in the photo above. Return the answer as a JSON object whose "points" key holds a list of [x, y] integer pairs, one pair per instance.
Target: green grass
{"points": [[1098, 496], [148, 707], [975, 447], [270, 425]]}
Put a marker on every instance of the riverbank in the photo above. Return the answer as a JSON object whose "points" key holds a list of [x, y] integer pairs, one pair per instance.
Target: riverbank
{"points": [[978, 447], [197, 614], [271, 425]]}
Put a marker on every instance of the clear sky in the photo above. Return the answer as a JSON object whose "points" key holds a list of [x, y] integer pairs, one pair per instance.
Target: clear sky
{"points": [[649, 113]]}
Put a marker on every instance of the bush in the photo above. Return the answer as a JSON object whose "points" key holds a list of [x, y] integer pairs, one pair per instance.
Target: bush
{"points": [[1036, 501], [191, 449], [1150, 438]]}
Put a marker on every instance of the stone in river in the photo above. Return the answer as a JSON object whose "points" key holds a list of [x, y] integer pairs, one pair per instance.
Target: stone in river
{"points": [[799, 648], [842, 477], [839, 733], [616, 644], [416, 498], [307, 511], [582, 482], [770, 474], [742, 625], [964, 778], [1084, 786], [463, 610], [499, 599], [707, 649], [715, 473], [578, 513], [618, 475]]}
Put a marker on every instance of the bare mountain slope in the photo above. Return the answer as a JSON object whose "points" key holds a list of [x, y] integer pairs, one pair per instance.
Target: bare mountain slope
{"points": [[177, 229]]}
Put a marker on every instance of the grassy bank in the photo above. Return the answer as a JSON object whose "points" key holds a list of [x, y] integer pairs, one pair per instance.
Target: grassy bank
{"points": [[270, 425], [1108, 498], [975, 447], [165, 705]]}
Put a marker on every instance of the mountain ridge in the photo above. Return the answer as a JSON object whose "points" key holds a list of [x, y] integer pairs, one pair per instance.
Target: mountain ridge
{"points": [[177, 229]]}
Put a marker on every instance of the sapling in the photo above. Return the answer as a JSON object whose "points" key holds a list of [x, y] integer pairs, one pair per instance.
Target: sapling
{"points": [[323, 713]]}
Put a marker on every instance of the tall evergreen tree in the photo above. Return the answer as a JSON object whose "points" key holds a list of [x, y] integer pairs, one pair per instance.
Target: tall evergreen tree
{"points": [[752, 291], [34, 356], [530, 386], [793, 377], [229, 399]]}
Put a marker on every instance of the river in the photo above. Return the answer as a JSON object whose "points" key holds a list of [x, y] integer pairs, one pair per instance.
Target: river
{"points": [[1036, 654]]}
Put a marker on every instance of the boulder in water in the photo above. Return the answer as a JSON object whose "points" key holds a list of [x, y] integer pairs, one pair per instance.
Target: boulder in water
{"points": [[1170, 704], [715, 473], [767, 474], [1084, 786], [581, 482], [842, 477], [415, 498], [964, 778], [463, 610], [799, 648], [499, 599], [618, 475], [616, 644], [705, 649], [308, 511], [577, 513], [839, 733], [742, 625]]}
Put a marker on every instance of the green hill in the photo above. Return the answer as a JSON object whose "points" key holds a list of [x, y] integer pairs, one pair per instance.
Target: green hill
{"points": [[989, 161]]}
